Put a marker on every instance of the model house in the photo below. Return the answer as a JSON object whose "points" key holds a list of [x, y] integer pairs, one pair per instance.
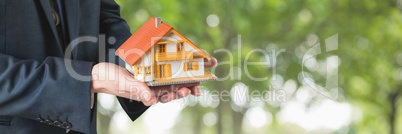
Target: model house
{"points": [[159, 55]]}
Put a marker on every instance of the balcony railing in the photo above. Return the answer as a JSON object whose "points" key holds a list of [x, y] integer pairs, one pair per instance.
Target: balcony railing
{"points": [[173, 56]]}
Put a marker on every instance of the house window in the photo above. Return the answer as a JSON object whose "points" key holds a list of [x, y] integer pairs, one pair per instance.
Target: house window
{"points": [[140, 70], [180, 47], [147, 70], [190, 66], [162, 48]]}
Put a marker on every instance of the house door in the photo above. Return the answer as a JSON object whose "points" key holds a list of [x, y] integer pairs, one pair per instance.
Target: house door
{"points": [[162, 48], [163, 71]]}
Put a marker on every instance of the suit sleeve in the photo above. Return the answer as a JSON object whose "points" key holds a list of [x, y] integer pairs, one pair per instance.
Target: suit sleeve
{"points": [[115, 27], [45, 91]]}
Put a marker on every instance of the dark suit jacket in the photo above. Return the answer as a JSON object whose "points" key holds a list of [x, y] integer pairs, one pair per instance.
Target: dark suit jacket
{"points": [[37, 94]]}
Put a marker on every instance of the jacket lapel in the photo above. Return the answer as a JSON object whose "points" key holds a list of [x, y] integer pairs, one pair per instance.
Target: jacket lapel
{"points": [[71, 8], [48, 13], [72, 19]]}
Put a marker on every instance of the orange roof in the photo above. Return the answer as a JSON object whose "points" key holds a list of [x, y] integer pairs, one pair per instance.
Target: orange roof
{"points": [[142, 40]]}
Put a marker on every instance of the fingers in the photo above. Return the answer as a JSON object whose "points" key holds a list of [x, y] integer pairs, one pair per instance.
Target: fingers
{"points": [[180, 93], [166, 93], [195, 90], [141, 92], [167, 97], [161, 90], [148, 97], [210, 63]]}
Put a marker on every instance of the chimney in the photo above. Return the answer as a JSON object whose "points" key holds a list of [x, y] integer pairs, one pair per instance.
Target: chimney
{"points": [[158, 21]]}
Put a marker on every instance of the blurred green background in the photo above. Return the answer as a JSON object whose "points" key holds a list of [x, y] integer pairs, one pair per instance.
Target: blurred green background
{"points": [[270, 53]]}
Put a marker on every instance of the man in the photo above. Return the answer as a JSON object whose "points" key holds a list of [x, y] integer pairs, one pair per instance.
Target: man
{"points": [[38, 93]]}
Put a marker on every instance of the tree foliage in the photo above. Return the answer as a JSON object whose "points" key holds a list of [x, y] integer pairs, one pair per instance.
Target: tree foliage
{"points": [[370, 51]]}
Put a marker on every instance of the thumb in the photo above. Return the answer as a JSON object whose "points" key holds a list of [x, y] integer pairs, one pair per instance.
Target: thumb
{"points": [[210, 63]]}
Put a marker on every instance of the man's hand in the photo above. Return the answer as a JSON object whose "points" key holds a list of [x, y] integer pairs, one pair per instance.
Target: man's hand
{"points": [[112, 79]]}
